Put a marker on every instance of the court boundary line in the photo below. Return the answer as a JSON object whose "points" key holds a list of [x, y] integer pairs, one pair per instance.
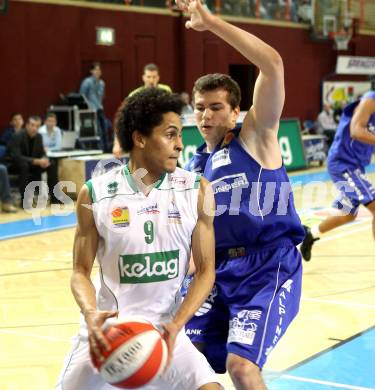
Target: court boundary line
{"points": [[322, 382], [324, 351]]}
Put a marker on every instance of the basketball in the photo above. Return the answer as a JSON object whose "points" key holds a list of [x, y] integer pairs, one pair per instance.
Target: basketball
{"points": [[138, 354]]}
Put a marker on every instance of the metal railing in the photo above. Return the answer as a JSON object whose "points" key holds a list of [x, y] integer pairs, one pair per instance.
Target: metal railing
{"points": [[301, 11], [286, 10]]}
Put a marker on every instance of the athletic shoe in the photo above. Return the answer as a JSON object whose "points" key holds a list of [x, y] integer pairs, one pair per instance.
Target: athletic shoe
{"points": [[307, 243]]}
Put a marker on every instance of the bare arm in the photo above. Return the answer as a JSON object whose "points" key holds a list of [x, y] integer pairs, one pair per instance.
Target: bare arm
{"points": [[203, 248], [84, 252], [259, 130], [358, 126]]}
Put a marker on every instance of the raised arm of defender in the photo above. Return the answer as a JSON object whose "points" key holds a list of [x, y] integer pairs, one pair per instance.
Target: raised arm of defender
{"points": [[260, 126]]}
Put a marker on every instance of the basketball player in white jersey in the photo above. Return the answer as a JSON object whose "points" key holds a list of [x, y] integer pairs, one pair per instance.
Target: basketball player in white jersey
{"points": [[140, 221]]}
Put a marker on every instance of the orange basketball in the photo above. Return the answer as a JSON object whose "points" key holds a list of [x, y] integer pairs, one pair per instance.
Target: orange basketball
{"points": [[137, 357]]}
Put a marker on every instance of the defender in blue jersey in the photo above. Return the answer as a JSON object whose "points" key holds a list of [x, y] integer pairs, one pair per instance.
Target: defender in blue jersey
{"points": [[258, 267], [350, 153]]}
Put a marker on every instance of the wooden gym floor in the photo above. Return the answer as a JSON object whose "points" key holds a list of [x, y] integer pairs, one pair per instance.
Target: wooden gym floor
{"points": [[330, 345]]}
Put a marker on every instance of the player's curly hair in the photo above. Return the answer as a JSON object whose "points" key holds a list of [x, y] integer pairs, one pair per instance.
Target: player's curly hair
{"points": [[213, 81], [143, 111]]}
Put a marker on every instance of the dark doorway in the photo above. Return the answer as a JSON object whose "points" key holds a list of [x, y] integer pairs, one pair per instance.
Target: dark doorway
{"points": [[245, 76]]}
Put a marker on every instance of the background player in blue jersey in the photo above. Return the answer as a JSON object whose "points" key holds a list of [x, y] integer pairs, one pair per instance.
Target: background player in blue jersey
{"points": [[258, 268], [348, 156]]}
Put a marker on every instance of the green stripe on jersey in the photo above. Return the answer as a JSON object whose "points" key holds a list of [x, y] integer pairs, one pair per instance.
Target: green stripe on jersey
{"points": [[91, 191]]}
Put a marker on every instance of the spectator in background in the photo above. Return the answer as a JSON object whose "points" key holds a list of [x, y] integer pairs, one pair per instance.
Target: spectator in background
{"points": [[5, 196], [93, 88], [338, 110], [187, 109], [28, 159], [326, 124], [15, 124], [151, 77], [51, 134]]}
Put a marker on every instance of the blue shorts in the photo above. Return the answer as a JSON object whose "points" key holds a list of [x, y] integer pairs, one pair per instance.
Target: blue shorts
{"points": [[355, 189], [254, 299]]}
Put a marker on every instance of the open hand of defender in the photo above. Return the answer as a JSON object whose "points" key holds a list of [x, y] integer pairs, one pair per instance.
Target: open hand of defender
{"points": [[200, 17]]}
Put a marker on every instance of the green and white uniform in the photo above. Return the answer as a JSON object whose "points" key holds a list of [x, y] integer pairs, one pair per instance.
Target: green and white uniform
{"points": [[144, 246], [143, 252]]}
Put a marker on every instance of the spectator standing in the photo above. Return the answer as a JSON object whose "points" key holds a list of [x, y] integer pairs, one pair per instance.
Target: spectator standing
{"points": [[93, 88], [151, 77]]}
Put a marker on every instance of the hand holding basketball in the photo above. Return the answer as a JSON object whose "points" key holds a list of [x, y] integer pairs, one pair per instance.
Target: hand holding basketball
{"points": [[170, 334], [95, 320], [136, 356]]}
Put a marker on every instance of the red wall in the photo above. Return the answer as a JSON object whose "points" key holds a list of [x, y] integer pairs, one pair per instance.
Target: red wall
{"points": [[45, 50]]}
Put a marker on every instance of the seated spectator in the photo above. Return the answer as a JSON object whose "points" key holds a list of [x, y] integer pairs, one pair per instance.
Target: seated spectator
{"points": [[151, 79], [187, 109], [27, 158], [326, 124], [51, 134], [338, 110], [15, 124], [5, 196]]}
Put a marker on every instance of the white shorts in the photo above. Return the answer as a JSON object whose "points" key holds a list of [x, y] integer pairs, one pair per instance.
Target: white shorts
{"points": [[189, 369]]}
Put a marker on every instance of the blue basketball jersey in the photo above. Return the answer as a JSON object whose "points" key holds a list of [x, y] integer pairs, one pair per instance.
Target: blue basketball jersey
{"points": [[254, 206], [345, 151], [198, 162]]}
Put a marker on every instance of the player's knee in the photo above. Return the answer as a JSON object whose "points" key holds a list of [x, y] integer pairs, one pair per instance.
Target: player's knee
{"points": [[371, 208], [351, 217], [242, 370]]}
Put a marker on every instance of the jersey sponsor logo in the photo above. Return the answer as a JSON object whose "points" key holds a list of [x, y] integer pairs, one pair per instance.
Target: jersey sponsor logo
{"points": [[283, 299], [228, 139], [151, 209], [112, 187], [174, 215], [230, 182], [178, 182], [120, 217], [242, 329], [149, 267], [195, 332], [221, 158]]}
